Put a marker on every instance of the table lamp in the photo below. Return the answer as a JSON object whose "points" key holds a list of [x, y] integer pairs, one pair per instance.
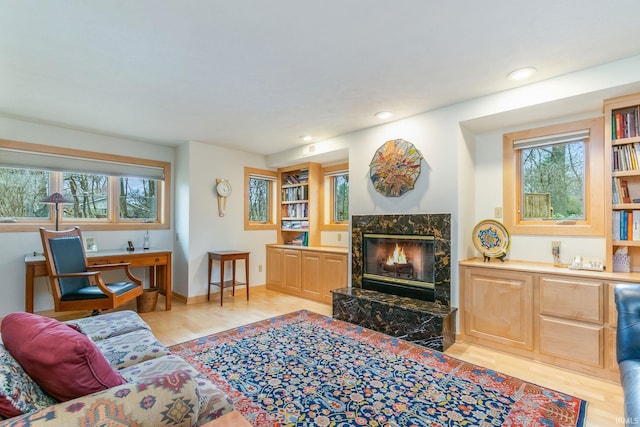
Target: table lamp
{"points": [[56, 198]]}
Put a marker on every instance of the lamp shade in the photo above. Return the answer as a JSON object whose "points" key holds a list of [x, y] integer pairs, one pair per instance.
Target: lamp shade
{"points": [[56, 198]]}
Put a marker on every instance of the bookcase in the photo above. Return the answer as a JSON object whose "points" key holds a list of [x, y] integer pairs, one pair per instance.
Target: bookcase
{"points": [[622, 161], [299, 201]]}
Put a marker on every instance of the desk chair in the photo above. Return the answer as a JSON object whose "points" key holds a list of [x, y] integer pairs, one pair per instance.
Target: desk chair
{"points": [[76, 285]]}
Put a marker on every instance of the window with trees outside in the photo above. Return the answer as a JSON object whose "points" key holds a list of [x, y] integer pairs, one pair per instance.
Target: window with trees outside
{"points": [[336, 197], [553, 179], [104, 191], [259, 199]]}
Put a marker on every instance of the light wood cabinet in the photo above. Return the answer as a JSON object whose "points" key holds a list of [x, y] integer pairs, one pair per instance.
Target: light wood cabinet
{"points": [[275, 268], [309, 272], [292, 271], [312, 278], [555, 315], [498, 307], [334, 269]]}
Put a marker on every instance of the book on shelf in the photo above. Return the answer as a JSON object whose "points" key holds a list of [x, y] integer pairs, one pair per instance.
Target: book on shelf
{"points": [[626, 225], [625, 123], [624, 191]]}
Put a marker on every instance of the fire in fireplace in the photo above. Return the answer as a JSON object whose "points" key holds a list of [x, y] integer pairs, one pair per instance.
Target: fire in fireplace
{"points": [[399, 264]]}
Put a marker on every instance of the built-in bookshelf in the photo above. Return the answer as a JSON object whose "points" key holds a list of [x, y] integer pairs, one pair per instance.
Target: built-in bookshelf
{"points": [[299, 205], [622, 145]]}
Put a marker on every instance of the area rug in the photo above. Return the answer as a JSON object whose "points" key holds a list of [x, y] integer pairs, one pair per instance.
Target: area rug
{"points": [[305, 369]]}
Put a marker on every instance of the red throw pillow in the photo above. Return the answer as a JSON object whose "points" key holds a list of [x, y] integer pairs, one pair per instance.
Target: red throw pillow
{"points": [[65, 363]]}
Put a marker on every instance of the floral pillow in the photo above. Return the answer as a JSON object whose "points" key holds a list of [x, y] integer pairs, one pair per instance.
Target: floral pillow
{"points": [[19, 394]]}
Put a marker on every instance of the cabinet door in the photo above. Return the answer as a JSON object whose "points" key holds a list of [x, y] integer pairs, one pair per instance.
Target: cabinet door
{"points": [[498, 307], [275, 266], [312, 275], [334, 274], [292, 271]]}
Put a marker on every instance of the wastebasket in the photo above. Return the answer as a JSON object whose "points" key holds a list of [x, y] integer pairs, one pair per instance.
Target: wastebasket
{"points": [[148, 300]]}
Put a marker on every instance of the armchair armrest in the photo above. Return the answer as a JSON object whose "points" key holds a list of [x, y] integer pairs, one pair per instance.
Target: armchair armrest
{"points": [[164, 400]]}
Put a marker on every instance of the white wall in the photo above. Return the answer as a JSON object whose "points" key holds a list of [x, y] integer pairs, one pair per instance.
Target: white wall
{"points": [[462, 149], [207, 230], [14, 246]]}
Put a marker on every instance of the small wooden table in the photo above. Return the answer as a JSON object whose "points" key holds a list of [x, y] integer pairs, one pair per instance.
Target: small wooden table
{"points": [[222, 257]]}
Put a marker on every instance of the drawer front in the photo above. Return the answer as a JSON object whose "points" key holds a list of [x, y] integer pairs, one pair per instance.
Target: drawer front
{"points": [[135, 261], [573, 341], [572, 299]]}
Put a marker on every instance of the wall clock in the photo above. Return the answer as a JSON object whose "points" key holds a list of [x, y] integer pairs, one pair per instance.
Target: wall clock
{"points": [[223, 189], [395, 167]]}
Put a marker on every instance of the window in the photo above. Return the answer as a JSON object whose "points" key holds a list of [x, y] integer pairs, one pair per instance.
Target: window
{"points": [[259, 201], [336, 200], [107, 192], [340, 190], [20, 193], [553, 179]]}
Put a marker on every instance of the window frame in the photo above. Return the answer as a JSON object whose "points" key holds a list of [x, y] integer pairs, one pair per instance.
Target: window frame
{"points": [[113, 222], [272, 176], [593, 224], [328, 222]]}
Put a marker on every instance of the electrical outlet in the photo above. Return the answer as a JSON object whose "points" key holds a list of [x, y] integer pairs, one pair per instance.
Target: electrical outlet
{"points": [[260, 268], [497, 212], [339, 237]]}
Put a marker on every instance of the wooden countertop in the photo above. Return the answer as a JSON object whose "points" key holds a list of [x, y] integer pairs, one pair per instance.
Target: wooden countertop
{"points": [[332, 249], [542, 267]]}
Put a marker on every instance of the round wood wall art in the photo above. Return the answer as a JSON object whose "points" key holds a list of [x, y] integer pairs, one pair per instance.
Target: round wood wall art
{"points": [[395, 167]]}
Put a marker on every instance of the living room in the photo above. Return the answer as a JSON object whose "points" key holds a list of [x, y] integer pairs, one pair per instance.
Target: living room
{"points": [[462, 175]]}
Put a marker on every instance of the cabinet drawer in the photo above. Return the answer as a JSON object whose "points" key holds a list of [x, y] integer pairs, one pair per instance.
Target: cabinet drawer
{"points": [[572, 299], [574, 341]]}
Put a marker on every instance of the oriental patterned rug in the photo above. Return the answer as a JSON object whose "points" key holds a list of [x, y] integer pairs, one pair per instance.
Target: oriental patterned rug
{"points": [[305, 369]]}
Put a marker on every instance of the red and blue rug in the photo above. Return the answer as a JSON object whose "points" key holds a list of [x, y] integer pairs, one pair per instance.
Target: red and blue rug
{"points": [[305, 369]]}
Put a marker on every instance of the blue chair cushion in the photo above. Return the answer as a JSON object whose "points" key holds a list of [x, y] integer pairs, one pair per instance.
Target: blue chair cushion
{"points": [[93, 292]]}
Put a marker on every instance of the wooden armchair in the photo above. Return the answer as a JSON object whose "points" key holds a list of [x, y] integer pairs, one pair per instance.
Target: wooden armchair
{"points": [[75, 285]]}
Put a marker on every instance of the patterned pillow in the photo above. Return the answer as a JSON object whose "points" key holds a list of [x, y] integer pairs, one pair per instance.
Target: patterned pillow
{"points": [[19, 394]]}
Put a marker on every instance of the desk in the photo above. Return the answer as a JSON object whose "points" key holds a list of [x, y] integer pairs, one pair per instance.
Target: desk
{"points": [[158, 261], [222, 257]]}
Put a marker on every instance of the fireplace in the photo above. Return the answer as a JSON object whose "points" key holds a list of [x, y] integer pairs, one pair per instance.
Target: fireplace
{"points": [[432, 232], [399, 264]]}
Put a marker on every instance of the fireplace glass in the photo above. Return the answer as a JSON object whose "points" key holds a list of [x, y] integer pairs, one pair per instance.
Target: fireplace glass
{"points": [[399, 264]]}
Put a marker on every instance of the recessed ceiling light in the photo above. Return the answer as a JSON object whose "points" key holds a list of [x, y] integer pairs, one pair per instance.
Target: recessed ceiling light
{"points": [[307, 138], [382, 115], [521, 73]]}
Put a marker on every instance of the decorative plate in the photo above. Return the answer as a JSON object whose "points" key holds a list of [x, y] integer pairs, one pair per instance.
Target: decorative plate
{"points": [[395, 167], [491, 238]]}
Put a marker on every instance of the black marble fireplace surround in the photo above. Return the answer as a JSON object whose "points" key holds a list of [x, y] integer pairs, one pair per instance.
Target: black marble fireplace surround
{"points": [[436, 225], [429, 323]]}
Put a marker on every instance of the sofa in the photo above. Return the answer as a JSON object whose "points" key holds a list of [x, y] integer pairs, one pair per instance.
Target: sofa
{"points": [[100, 370], [627, 299]]}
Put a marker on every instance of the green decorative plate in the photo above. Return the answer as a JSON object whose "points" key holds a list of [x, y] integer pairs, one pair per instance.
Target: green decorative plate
{"points": [[491, 239]]}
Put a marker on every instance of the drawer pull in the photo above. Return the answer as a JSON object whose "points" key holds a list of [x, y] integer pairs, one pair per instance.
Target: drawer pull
{"points": [[157, 260]]}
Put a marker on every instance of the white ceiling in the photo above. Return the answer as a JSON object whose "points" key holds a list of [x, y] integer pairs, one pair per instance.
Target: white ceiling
{"points": [[256, 75]]}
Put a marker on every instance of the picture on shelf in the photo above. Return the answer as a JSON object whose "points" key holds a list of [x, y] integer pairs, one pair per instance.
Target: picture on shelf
{"points": [[90, 244]]}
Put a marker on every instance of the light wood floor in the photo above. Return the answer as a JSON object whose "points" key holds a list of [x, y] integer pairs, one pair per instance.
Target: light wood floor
{"points": [[186, 322]]}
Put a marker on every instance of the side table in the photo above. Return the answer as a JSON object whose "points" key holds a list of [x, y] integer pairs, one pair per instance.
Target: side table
{"points": [[222, 257]]}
